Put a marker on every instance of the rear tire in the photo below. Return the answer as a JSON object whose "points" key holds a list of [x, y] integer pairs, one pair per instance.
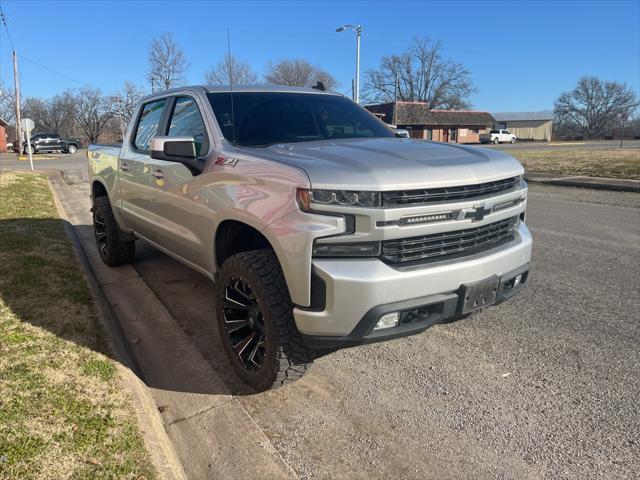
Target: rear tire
{"points": [[72, 149], [113, 250], [496, 141], [255, 321]]}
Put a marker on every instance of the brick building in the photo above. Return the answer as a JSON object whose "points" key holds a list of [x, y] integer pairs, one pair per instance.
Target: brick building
{"points": [[3, 135], [453, 126]]}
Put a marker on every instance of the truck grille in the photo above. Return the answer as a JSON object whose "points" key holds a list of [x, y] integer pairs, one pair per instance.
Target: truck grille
{"points": [[440, 246], [429, 195]]}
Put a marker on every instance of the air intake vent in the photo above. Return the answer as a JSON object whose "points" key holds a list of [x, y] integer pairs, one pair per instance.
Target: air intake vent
{"points": [[440, 246], [432, 195]]}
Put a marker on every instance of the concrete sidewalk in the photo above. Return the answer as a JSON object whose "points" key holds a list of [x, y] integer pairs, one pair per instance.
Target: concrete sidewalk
{"points": [[600, 183], [212, 434]]}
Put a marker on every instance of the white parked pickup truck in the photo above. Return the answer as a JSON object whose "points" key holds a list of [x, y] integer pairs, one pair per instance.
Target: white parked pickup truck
{"points": [[320, 227], [498, 136]]}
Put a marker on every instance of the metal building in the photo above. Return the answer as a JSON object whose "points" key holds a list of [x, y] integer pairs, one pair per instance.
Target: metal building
{"points": [[526, 125]]}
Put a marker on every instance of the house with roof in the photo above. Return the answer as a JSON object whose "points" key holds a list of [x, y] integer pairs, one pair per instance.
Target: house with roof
{"points": [[452, 126], [526, 125]]}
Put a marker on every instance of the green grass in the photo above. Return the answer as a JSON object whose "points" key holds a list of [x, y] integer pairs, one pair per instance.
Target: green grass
{"points": [[63, 412], [611, 163]]}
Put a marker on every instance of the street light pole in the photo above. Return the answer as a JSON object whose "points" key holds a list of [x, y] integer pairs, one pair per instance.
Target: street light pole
{"points": [[358, 30]]}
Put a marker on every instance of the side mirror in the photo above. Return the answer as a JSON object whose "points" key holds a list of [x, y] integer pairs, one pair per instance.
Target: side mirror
{"points": [[173, 149], [402, 133]]}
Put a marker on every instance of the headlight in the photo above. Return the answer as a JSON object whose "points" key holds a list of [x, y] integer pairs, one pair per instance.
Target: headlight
{"points": [[368, 249], [337, 197]]}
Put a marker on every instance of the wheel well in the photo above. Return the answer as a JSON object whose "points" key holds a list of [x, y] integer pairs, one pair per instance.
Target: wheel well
{"points": [[98, 190], [235, 237]]}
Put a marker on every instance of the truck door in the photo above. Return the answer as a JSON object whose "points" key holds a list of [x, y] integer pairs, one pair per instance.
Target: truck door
{"points": [[178, 215], [54, 142], [134, 174]]}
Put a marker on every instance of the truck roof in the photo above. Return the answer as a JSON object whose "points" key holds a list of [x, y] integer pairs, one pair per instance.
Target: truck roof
{"points": [[247, 88], [264, 88]]}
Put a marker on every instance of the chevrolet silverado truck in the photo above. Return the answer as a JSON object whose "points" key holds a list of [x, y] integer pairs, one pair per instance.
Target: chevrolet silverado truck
{"points": [[320, 228], [50, 142], [498, 136]]}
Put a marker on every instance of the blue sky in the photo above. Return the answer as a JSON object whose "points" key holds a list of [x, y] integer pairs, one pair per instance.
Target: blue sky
{"points": [[521, 55]]}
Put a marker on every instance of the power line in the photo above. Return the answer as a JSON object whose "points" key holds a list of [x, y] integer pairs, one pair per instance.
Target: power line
{"points": [[3, 18], [53, 71], [4, 22]]}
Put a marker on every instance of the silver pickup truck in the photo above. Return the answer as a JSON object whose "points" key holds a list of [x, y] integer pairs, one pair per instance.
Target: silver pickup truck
{"points": [[320, 228]]}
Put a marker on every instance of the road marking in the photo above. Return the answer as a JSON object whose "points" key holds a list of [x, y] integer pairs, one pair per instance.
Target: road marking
{"points": [[39, 157], [560, 144]]}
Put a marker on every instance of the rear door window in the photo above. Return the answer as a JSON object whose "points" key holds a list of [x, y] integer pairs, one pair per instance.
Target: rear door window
{"points": [[186, 120], [148, 122]]}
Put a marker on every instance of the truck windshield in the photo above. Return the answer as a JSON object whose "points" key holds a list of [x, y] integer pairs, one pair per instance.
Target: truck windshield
{"points": [[267, 118]]}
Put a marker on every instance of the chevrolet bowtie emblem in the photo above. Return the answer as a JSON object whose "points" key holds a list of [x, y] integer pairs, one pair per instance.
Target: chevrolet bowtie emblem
{"points": [[478, 213]]}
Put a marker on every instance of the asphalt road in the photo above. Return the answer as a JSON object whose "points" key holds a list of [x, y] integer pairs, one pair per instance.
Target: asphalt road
{"points": [[543, 386], [45, 161]]}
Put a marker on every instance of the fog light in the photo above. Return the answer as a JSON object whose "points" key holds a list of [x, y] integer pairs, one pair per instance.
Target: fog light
{"points": [[387, 321], [517, 281]]}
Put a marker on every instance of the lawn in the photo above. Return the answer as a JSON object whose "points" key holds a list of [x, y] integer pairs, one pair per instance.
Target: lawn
{"points": [[613, 163], [63, 412]]}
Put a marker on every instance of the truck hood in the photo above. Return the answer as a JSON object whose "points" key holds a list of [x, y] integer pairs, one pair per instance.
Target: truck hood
{"points": [[392, 163]]}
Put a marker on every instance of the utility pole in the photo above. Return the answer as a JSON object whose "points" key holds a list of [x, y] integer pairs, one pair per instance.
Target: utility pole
{"points": [[16, 82], [395, 99]]}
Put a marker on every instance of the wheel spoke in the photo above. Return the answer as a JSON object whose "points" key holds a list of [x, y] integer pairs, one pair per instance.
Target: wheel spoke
{"points": [[231, 303], [241, 288], [235, 325], [252, 355], [101, 236], [242, 345]]}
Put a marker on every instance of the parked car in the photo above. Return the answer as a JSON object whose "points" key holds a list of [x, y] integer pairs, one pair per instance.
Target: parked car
{"points": [[50, 142], [319, 227], [498, 136], [400, 132]]}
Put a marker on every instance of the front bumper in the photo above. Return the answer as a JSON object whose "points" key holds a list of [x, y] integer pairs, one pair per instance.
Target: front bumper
{"points": [[358, 292]]}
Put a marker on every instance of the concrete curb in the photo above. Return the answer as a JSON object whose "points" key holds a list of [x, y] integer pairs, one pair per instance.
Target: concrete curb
{"points": [[598, 183], [155, 437]]}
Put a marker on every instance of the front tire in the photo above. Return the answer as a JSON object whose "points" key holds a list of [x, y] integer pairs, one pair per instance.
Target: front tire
{"points": [[255, 321], [72, 149], [113, 250]]}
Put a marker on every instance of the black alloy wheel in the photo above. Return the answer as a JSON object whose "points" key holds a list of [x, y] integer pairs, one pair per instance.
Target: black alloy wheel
{"points": [[255, 321], [100, 233], [244, 323]]}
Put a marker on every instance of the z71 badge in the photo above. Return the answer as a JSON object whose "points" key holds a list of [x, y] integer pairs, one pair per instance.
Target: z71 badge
{"points": [[226, 161]]}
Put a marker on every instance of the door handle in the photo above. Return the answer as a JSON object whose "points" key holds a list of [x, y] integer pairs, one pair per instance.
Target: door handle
{"points": [[157, 173], [124, 167]]}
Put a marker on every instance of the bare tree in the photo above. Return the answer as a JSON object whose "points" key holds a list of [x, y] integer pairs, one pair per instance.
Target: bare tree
{"points": [[594, 107], [298, 73], [44, 117], [92, 110], [167, 63], [7, 103], [126, 99], [423, 76], [230, 70]]}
